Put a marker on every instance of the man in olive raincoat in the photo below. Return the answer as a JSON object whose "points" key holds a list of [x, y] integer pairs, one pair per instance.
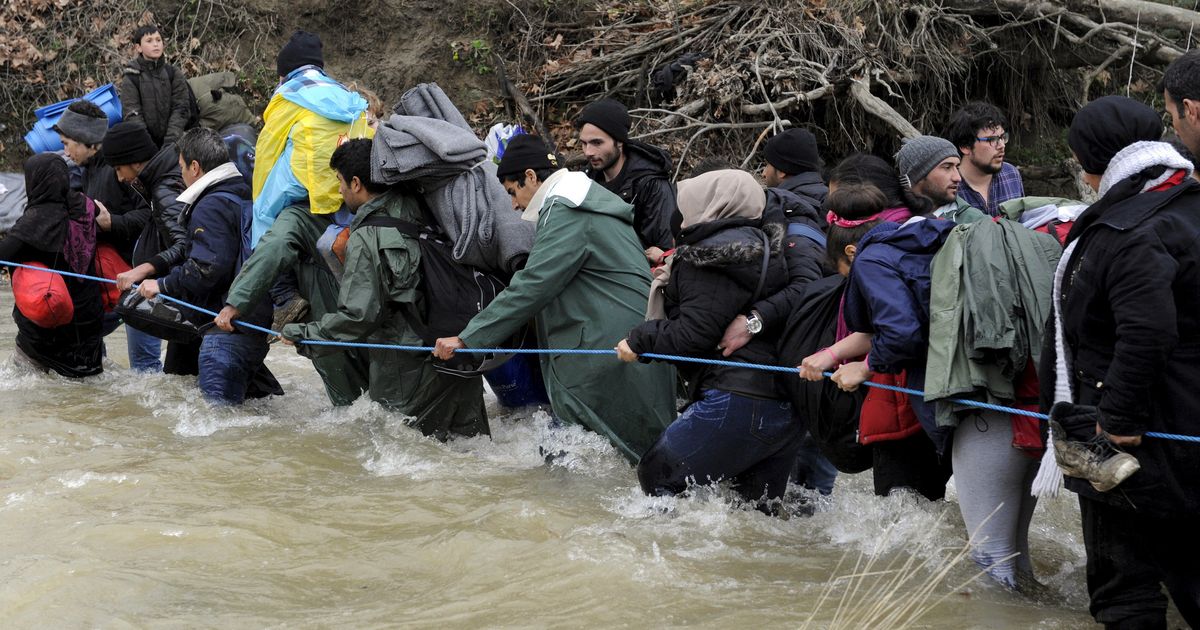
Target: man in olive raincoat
{"points": [[379, 284], [585, 284]]}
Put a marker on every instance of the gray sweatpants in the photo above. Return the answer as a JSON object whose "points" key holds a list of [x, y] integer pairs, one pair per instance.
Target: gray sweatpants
{"points": [[989, 474]]}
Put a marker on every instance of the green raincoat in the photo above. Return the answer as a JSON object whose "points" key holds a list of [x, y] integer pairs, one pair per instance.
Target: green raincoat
{"points": [[291, 244], [585, 285], [382, 271]]}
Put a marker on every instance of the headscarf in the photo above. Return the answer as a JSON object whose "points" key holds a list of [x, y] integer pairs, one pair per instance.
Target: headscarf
{"points": [[56, 219], [715, 195], [1107, 125]]}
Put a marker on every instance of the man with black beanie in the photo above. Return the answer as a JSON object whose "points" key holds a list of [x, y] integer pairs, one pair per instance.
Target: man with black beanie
{"points": [[585, 285], [638, 173], [155, 177], [1123, 360]]}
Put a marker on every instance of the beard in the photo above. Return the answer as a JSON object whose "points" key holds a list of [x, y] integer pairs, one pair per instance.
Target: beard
{"points": [[988, 167]]}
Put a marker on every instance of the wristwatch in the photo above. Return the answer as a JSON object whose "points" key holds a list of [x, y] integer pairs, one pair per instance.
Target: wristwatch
{"points": [[754, 323]]}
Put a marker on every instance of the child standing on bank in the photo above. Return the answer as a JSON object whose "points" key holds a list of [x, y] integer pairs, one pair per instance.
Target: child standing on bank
{"points": [[154, 91]]}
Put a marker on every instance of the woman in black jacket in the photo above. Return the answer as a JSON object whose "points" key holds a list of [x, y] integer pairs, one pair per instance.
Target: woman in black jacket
{"points": [[58, 230], [1125, 360], [738, 425]]}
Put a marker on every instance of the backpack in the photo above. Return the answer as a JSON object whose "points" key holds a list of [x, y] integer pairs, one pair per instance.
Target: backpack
{"points": [[247, 219], [454, 293], [241, 153], [807, 231], [831, 414]]}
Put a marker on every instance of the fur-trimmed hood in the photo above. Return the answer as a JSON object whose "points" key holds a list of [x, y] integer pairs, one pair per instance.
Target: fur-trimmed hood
{"points": [[728, 242]]}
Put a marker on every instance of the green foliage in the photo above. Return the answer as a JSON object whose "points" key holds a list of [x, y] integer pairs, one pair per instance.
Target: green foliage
{"points": [[475, 54]]}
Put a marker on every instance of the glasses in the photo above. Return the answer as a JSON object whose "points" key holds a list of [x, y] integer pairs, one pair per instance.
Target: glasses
{"points": [[994, 140]]}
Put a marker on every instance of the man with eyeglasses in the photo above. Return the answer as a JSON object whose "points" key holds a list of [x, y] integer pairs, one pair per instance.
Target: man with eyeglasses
{"points": [[979, 130]]}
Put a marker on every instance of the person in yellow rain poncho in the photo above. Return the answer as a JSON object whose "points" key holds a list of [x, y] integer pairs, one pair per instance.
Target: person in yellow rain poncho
{"points": [[309, 116], [298, 211]]}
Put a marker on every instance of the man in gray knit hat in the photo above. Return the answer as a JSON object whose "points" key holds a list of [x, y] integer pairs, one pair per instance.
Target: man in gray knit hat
{"points": [[928, 167]]}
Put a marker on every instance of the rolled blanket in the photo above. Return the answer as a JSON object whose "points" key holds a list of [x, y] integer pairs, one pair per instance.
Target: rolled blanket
{"points": [[475, 212], [410, 148], [429, 101]]}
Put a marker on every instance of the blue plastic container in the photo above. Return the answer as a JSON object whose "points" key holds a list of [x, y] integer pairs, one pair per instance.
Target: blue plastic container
{"points": [[43, 138], [518, 383]]}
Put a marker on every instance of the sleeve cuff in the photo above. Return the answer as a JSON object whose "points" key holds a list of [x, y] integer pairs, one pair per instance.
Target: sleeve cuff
{"points": [[1120, 425]]}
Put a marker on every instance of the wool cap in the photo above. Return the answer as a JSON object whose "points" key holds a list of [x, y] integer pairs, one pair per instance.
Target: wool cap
{"points": [[1107, 125], [81, 127], [609, 115], [128, 143], [525, 152], [919, 155], [793, 152], [303, 49]]}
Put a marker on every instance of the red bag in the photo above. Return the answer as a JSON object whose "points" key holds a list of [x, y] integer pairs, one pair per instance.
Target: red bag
{"points": [[887, 415], [1027, 431], [42, 297], [108, 265]]}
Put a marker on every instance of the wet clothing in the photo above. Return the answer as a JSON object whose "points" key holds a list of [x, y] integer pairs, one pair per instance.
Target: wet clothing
{"points": [[213, 254], [585, 285], [58, 230], [645, 183], [379, 288], [1005, 185], [724, 436], [291, 244], [797, 200], [156, 93]]}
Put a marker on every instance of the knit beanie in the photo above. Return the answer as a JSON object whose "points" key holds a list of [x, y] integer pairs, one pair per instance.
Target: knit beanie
{"points": [[81, 127], [609, 115], [524, 152], [1107, 125], [128, 143], [793, 152], [917, 156], [302, 49]]}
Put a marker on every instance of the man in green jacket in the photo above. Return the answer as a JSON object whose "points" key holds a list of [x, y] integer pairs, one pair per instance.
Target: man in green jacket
{"points": [[379, 286], [585, 284]]}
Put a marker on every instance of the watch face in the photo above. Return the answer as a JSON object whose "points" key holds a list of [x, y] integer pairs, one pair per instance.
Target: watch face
{"points": [[754, 325]]}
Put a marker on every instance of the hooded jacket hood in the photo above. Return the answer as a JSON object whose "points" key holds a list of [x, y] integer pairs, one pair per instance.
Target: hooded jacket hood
{"points": [[917, 237], [644, 159], [310, 88]]}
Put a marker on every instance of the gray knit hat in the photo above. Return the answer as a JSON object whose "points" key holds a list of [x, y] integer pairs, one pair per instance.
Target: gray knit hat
{"points": [[81, 127], [919, 155]]}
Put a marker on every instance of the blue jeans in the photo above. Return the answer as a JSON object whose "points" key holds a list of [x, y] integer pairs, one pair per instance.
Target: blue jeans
{"points": [[725, 436], [145, 351], [812, 469], [227, 363]]}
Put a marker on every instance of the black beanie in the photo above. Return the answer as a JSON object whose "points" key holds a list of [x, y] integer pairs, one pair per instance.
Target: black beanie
{"points": [[302, 49], [610, 116], [793, 152], [1107, 125], [524, 152], [128, 143]]}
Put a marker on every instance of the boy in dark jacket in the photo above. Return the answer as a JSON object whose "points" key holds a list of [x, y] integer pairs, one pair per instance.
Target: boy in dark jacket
{"points": [[216, 211], [154, 176], [153, 90]]}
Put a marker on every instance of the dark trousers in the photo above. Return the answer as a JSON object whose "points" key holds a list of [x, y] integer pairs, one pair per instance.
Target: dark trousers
{"points": [[228, 362], [1130, 556], [725, 436], [911, 462]]}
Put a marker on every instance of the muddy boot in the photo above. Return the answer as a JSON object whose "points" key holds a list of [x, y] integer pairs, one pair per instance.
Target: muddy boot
{"points": [[291, 311], [1096, 460]]}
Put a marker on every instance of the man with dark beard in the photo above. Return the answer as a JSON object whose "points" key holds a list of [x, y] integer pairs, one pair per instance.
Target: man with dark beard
{"points": [[638, 173], [979, 130], [929, 166]]}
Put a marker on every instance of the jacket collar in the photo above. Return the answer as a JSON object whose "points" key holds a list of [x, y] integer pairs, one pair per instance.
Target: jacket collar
{"points": [[209, 179]]}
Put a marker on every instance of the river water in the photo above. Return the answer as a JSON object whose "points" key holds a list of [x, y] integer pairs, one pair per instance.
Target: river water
{"points": [[126, 502]]}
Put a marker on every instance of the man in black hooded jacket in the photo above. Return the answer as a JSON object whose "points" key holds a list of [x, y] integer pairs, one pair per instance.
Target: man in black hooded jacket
{"points": [[638, 173]]}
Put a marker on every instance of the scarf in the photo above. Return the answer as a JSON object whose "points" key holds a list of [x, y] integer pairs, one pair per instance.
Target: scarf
{"points": [[219, 174], [1138, 168], [56, 219], [715, 195]]}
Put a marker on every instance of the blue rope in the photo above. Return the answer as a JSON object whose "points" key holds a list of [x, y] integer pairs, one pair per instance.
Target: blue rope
{"points": [[588, 351]]}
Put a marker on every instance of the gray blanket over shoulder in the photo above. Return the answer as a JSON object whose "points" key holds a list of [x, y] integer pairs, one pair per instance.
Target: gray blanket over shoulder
{"points": [[429, 142]]}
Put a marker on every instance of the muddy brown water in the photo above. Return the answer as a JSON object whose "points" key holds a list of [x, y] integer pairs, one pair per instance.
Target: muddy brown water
{"points": [[127, 502]]}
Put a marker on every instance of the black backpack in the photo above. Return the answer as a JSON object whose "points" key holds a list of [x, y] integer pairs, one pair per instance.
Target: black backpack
{"points": [[830, 413], [454, 292]]}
